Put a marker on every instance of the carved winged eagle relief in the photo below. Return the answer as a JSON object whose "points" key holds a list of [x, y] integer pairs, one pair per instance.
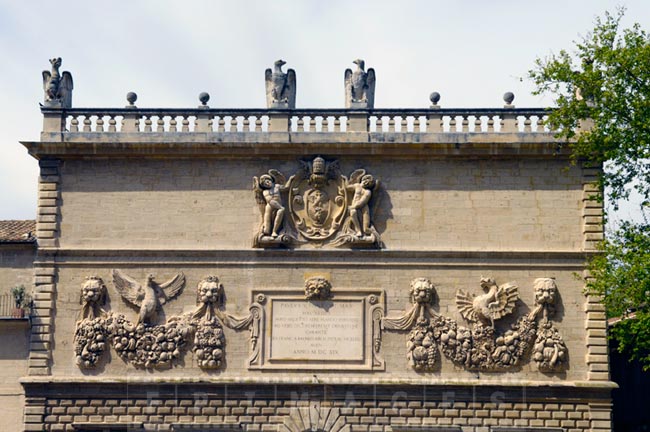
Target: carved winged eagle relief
{"points": [[148, 296], [497, 302]]}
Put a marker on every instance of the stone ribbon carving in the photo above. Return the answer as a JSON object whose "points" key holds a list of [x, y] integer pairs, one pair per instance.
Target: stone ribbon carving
{"points": [[481, 347], [317, 205]]}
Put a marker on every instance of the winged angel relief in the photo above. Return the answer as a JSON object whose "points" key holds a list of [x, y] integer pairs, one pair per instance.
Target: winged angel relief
{"points": [[144, 343], [317, 205]]}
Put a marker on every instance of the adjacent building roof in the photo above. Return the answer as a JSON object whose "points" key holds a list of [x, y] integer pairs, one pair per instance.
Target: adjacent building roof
{"points": [[17, 231]]}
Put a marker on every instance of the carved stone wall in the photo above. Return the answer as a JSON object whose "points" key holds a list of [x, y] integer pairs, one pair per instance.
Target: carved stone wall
{"points": [[424, 205], [457, 275]]}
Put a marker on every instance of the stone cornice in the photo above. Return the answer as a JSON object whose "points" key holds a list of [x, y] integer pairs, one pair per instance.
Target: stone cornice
{"points": [[322, 257], [247, 145]]}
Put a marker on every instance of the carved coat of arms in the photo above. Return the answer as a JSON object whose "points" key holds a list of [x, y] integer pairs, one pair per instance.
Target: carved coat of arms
{"points": [[317, 205]]}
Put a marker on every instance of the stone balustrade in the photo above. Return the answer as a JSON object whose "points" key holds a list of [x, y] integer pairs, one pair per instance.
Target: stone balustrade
{"points": [[211, 120]]}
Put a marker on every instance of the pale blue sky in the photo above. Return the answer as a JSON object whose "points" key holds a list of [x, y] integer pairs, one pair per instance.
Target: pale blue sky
{"points": [[167, 52]]}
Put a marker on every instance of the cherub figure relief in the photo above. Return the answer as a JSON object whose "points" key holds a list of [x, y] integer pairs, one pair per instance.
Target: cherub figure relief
{"points": [[362, 185], [268, 192]]}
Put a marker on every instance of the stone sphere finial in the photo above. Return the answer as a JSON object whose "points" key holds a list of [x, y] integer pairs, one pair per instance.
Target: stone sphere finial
{"points": [[204, 98], [508, 97], [434, 98], [131, 97]]}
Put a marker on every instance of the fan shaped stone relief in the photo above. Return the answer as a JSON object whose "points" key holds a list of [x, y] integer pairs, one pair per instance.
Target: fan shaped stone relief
{"points": [[482, 347], [314, 418], [317, 205]]}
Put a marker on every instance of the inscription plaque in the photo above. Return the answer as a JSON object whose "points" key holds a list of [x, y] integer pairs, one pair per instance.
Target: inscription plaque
{"points": [[341, 333], [317, 330]]}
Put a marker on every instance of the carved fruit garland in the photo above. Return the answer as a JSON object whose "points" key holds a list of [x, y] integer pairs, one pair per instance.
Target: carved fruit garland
{"points": [[480, 347], [154, 346]]}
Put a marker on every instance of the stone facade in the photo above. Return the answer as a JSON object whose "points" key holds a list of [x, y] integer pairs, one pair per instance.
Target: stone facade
{"points": [[357, 269]]}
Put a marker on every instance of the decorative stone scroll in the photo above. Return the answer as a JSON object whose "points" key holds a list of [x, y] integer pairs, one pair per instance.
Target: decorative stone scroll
{"points": [[342, 332], [147, 345], [481, 347], [317, 205]]}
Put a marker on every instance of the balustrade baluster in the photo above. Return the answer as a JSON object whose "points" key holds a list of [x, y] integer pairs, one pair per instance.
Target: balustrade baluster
{"points": [[74, 124], [258, 124], [490, 123], [87, 123], [246, 126], [233, 124], [112, 124], [172, 125], [452, 124], [160, 124], [147, 124], [391, 124], [185, 124], [404, 124], [312, 124], [325, 124], [99, 125], [478, 121], [379, 124], [527, 124], [465, 123]]}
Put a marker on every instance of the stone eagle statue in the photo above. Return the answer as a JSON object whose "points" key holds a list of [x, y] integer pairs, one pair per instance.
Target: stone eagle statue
{"points": [[148, 296], [57, 87], [280, 87], [360, 87]]}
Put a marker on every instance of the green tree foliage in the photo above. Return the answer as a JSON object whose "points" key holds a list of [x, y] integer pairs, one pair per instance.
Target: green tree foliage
{"points": [[622, 274], [606, 80], [602, 92]]}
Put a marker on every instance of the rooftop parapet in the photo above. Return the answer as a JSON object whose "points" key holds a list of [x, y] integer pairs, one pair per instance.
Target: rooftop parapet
{"points": [[281, 115], [281, 128], [312, 120]]}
